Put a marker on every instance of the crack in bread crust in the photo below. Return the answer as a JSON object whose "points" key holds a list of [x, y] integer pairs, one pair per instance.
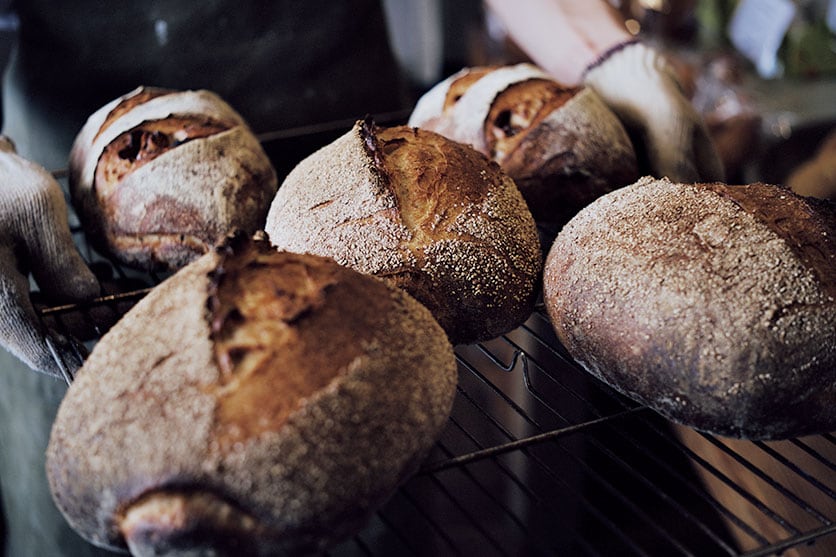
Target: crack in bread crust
{"points": [[257, 299], [129, 103], [147, 141]]}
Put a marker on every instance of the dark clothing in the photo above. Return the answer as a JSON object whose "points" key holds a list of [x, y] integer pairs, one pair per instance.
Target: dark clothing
{"points": [[279, 63]]}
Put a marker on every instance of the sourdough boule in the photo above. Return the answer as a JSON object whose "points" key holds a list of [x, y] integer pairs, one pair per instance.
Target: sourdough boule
{"points": [[561, 145], [255, 402], [159, 176], [712, 304], [423, 212]]}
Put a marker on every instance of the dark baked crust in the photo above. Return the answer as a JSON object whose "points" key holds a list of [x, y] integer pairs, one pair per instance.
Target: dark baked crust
{"points": [[298, 403], [159, 177], [425, 213], [712, 304], [561, 145]]}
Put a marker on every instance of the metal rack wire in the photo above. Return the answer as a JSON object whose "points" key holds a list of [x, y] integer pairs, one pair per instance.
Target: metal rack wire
{"points": [[539, 458]]}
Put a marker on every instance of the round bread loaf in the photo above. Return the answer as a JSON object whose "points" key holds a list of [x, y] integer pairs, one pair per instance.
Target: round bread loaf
{"points": [[158, 177], [426, 214], [255, 402], [714, 305], [562, 146]]}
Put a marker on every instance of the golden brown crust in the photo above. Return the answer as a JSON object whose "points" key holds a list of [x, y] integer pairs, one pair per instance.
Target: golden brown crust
{"points": [[423, 212], [258, 318], [159, 177], [518, 109], [562, 146], [155, 409], [699, 301], [807, 226]]}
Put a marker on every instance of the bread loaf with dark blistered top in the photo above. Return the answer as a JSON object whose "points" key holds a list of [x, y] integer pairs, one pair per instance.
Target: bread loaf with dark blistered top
{"points": [[713, 304], [255, 402]]}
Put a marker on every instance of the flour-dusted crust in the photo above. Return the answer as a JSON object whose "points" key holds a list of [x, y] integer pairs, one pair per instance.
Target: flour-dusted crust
{"points": [[425, 213], [713, 304], [269, 399], [159, 176], [562, 146]]}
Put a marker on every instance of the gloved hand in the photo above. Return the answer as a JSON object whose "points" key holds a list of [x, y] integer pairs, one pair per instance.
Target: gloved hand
{"points": [[639, 85], [35, 236]]}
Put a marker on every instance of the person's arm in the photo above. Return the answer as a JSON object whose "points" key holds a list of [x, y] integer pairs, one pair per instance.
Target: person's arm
{"points": [[35, 237], [563, 37]]}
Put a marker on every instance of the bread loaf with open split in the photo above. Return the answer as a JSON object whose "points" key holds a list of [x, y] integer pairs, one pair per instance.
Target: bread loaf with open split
{"points": [[253, 403], [562, 146], [713, 304], [160, 176], [424, 213]]}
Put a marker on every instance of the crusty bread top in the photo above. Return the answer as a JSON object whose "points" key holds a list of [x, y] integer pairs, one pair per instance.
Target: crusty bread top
{"points": [[460, 113], [425, 213], [255, 319], [144, 143], [305, 395], [159, 177], [202, 188], [562, 146], [581, 136], [494, 109], [708, 301], [518, 109], [123, 114], [126, 103]]}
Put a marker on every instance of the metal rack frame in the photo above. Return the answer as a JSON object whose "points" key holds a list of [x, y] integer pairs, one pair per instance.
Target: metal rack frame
{"points": [[539, 458]]}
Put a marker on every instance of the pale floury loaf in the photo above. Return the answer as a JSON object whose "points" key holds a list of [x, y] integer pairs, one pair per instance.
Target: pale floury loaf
{"points": [[160, 176]]}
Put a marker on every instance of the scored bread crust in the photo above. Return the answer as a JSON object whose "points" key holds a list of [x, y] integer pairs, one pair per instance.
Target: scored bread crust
{"points": [[715, 305], [423, 212], [352, 383], [562, 158], [169, 209]]}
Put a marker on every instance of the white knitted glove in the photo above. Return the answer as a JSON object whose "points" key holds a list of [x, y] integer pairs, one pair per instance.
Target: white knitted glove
{"points": [[639, 85], [35, 236]]}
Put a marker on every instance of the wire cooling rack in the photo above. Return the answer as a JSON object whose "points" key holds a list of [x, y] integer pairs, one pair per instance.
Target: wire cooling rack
{"points": [[539, 458]]}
